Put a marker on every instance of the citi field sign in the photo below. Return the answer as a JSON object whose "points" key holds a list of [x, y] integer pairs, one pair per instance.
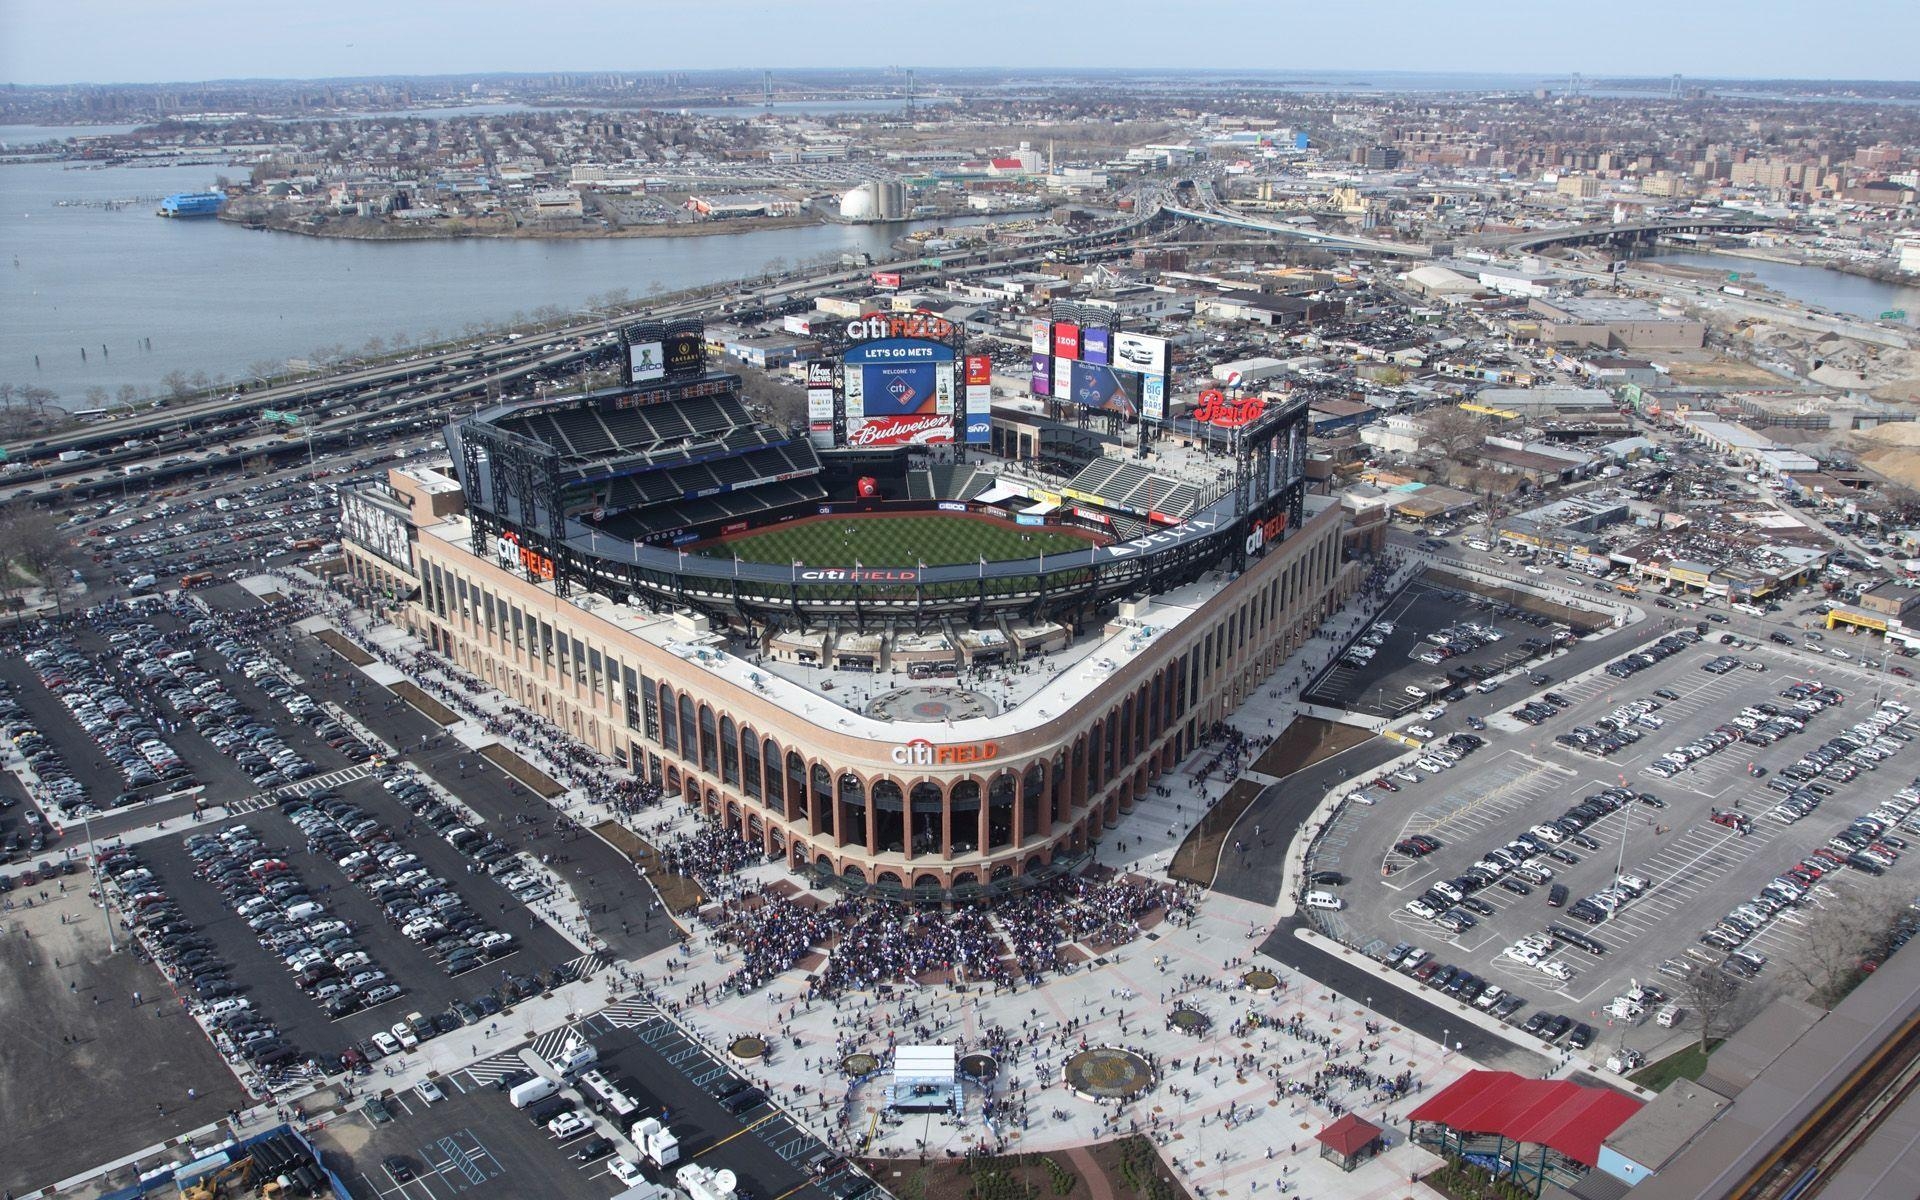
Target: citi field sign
{"points": [[922, 325], [922, 753]]}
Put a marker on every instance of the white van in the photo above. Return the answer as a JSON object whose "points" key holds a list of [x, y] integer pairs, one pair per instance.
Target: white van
{"points": [[304, 911], [142, 581], [533, 1091], [1325, 900]]}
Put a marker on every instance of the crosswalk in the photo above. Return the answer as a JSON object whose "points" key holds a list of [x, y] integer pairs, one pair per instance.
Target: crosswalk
{"points": [[627, 1014], [487, 1070], [303, 787], [586, 966]]}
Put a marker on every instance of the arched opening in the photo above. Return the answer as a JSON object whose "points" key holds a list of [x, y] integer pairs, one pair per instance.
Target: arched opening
{"points": [[729, 752], [853, 810], [854, 872], [749, 761], [689, 738], [965, 803], [669, 721], [1032, 796], [822, 801], [1000, 799], [797, 786], [709, 742], [775, 779], [889, 816], [927, 819]]}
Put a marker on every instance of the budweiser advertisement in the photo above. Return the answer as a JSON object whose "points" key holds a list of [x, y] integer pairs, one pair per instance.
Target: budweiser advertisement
{"points": [[918, 430]]}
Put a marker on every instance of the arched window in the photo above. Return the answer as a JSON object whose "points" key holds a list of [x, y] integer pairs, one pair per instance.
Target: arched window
{"points": [[1032, 796], [853, 809], [1000, 799], [669, 721], [776, 780], [965, 803], [689, 739], [823, 814], [709, 743], [796, 785], [927, 819], [729, 751], [749, 760]]}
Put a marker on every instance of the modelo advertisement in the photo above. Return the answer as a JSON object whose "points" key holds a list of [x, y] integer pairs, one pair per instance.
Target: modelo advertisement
{"points": [[1099, 387], [1095, 346], [899, 392]]}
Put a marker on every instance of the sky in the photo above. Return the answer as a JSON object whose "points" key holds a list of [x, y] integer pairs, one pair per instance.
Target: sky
{"points": [[139, 41]]}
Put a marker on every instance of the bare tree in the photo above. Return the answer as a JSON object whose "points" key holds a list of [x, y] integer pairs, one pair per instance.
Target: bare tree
{"points": [[1714, 996], [178, 386], [32, 544], [1841, 939], [1453, 432]]}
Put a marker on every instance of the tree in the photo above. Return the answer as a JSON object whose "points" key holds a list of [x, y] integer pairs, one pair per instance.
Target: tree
{"points": [[1452, 432], [32, 544], [178, 386], [126, 395], [1713, 995], [1844, 935]]}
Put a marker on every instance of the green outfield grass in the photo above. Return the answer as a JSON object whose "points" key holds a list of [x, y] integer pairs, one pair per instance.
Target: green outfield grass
{"points": [[904, 541]]}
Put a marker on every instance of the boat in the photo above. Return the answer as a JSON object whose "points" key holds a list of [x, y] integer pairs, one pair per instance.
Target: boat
{"points": [[191, 204]]}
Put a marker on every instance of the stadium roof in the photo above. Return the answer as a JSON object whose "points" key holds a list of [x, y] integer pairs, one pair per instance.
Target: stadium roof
{"points": [[1554, 1113]]}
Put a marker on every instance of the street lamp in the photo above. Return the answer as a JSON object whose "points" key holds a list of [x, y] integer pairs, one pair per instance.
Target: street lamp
{"points": [[93, 869]]}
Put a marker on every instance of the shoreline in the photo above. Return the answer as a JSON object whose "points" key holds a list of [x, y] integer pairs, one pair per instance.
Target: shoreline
{"points": [[521, 232]]}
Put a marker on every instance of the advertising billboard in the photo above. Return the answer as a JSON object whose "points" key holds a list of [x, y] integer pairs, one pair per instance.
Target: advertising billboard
{"points": [[820, 373], [377, 529], [979, 423], [886, 279], [1099, 387], [820, 404], [1066, 339], [645, 361], [899, 391], [684, 352], [1042, 338], [1063, 378], [1153, 397], [1095, 345], [1138, 352]]}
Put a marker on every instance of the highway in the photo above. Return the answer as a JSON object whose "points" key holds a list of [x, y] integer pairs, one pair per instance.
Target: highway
{"points": [[333, 403]]}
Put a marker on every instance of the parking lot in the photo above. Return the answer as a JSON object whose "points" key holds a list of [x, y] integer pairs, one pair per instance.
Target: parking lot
{"points": [[474, 1139], [1696, 867], [1393, 681], [426, 986]]}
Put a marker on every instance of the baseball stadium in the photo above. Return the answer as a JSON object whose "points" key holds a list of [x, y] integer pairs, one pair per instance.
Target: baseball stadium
{"points": [[869, 647]]}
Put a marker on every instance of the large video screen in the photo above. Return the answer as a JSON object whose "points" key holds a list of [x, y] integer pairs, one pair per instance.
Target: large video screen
{"points": [[1101, 387], [376, 529], [899, 391]]}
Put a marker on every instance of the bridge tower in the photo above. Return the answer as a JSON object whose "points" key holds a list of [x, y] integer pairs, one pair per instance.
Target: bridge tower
{"points": [[766, 89], [909, 93], [1673, 87]]}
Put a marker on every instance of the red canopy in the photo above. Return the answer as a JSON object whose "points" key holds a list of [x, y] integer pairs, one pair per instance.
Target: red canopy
{"points": [[1347, 1136], [1571, 1119]]}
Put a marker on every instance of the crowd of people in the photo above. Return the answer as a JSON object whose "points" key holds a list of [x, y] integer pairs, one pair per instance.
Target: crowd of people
{"points": [[1020, 938]]}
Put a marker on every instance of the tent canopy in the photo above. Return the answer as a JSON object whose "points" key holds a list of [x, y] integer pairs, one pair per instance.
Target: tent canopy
{"points": [[1564, 1116]]}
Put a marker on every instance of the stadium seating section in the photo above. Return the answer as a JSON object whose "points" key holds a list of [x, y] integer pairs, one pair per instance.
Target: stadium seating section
{"points": [[1123, 484]]}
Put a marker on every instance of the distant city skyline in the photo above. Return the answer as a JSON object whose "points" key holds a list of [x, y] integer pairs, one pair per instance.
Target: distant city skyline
{"points": [[121, 41]]}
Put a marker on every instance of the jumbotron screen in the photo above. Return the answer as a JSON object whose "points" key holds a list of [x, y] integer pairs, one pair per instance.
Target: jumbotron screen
{"points": [[899, 391]]}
